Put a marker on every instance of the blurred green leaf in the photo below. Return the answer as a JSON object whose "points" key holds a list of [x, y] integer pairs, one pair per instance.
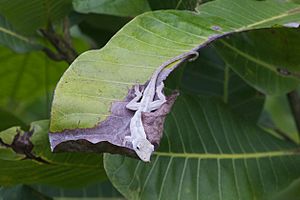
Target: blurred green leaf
{"points": [[27, 80], [21, 192], [295, 1], [8, 119], [101, 32], [175, 4], [100, 190], [277, 118], [92, 198], [16, 41], [27, 16], [63, 169], [116, 7]]}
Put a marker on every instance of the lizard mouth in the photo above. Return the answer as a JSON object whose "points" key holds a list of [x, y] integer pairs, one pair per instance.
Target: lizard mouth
{"points": [[146, 159]]}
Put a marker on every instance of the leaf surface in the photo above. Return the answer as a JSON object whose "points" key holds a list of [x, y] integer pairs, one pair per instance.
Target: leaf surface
{"points": [[235, 155], [26, 84], [272, 67], [175, 4], [210, 76], [99, 77], [27, 16], [208, 153]]}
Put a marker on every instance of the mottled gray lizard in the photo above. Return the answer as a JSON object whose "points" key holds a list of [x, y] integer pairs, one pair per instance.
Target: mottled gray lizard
{"points": [[144, 102]]}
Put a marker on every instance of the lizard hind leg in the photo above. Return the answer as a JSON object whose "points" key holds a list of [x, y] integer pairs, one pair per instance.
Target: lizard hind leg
{"points": [[137, 91], [161, 97], [133, 104]]}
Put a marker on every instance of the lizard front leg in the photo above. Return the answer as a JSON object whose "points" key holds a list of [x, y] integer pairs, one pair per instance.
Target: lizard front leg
{"points": [[127, 138], [133, 104], [161, 98]]}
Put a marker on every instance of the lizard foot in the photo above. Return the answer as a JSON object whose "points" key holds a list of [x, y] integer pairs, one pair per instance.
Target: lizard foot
{"points": [[133, 104], [127, 139], [137, 92]]}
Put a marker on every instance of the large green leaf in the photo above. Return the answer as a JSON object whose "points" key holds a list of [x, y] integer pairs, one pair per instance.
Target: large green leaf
{"points": [[28, 16], [241, 160], [210, 76], [26, 84], [102, 76], [208, 153], [65, 169], [258, 64], [117, 7]]}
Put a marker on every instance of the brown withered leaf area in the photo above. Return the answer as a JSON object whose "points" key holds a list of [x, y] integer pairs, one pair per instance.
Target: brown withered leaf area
{"points": [[108, 136], [154, 121]]}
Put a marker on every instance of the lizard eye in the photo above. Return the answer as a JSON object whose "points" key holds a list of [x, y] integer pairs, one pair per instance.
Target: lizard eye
{"points": [[137, 147]]}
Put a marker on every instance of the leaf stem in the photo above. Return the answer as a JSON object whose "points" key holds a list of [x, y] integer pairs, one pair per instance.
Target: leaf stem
{"points": [[294, 101]]}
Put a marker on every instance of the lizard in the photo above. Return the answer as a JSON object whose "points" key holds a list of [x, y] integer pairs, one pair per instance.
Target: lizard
{"points": [[144, 102]]}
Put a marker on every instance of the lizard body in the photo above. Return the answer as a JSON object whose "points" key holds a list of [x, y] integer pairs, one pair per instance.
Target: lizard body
{"points": [[144, 102]]}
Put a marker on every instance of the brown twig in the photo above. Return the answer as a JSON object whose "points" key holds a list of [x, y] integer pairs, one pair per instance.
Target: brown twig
{"points": [[52, 55], [22, 144], [63, 45], [66, 31], [294, 101]]}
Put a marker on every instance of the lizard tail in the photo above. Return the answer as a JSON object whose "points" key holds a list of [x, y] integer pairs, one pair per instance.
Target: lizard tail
{"points": [[195, 55]]}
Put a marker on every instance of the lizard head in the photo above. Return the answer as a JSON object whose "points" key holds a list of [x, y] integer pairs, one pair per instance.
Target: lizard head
{"points": [[143, 149]]}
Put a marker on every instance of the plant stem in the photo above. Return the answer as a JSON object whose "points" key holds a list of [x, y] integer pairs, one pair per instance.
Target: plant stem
{"points": [[294, 101], [66, 31], [65, 51]]}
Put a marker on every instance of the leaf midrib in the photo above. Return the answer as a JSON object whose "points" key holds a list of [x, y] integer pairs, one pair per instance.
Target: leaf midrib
{"points": [[285, 14], [250, 57], [9, 32], [229, 156]]}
